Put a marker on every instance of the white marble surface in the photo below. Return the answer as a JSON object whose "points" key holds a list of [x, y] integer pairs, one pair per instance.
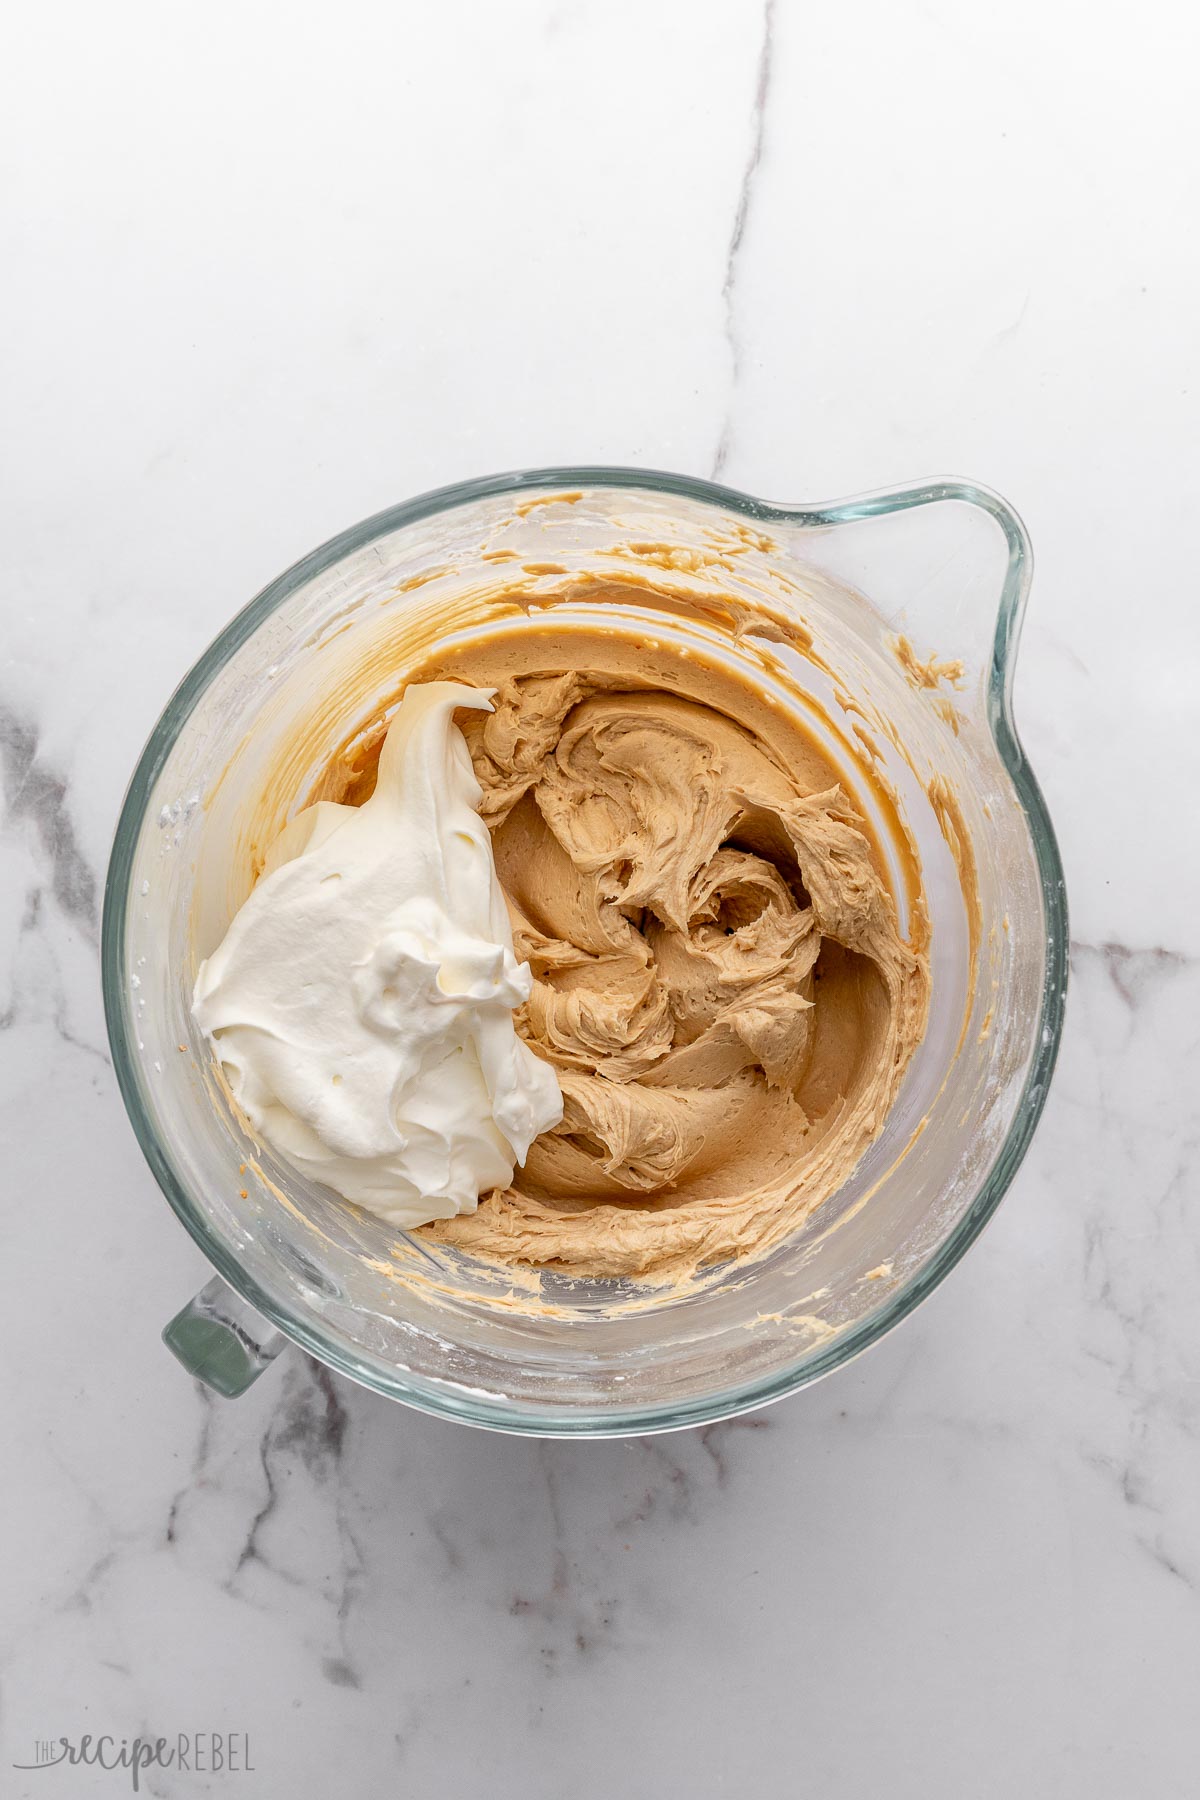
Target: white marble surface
{"points": [[269, 269]]}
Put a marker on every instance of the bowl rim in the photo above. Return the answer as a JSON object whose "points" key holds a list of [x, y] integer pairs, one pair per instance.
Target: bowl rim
{"points": [[445, 1401]]}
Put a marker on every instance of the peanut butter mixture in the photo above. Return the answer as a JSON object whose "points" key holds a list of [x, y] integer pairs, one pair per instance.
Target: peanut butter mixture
{"points": [[719, 978]]}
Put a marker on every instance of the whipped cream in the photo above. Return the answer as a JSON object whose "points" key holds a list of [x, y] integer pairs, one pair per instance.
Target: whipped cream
{"points": [[361, 1002]]}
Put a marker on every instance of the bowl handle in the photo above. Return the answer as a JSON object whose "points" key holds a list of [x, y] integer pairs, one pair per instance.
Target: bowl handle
{"points": [[222, 1341], [946, 563]]}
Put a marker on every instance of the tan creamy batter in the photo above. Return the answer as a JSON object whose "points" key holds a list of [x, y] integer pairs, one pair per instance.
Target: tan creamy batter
{"points": [[720, 981]]}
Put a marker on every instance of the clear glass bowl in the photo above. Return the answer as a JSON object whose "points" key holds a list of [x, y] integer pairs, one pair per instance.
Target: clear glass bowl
{"points": [[947, 564]]}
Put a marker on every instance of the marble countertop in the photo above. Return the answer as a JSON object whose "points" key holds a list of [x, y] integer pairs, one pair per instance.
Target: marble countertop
{"points": [[268, 272]]}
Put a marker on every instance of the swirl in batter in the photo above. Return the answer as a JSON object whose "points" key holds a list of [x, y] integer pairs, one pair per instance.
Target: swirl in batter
{"points": [[720, 982]]}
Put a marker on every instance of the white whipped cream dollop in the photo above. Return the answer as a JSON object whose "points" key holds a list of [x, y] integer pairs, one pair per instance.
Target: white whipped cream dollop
{"points": [[361, 1002]]}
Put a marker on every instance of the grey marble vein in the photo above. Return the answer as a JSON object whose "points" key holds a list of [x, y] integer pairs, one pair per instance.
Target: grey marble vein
{"points": [[197, 1475], [1131, 968], [250, 1550], [352, 1575], [80, 1598], [716, 1438], [308, 1428], [35, 792], [758, 124], [38, 987]]}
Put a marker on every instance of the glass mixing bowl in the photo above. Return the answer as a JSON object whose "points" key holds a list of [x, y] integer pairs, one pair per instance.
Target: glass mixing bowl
{"points": [[945, 564]]}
